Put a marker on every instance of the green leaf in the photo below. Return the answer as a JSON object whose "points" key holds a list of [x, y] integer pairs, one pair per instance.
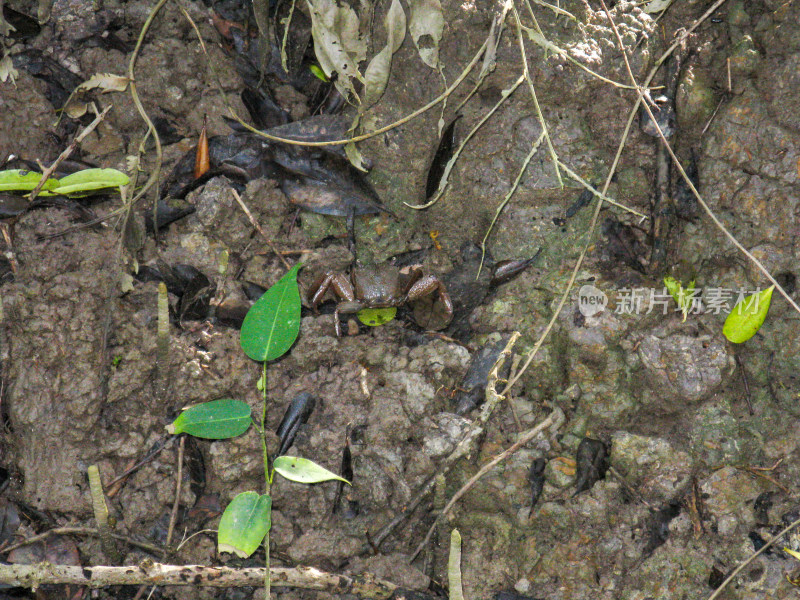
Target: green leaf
{"points": [[747, 316], [273, 322], [18, 180], [217, 420], [374, 317], [303, 470], [90, 180], [244, 524], [317, 71]]}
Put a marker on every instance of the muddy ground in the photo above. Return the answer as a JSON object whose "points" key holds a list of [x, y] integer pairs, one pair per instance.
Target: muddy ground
{"points": [[694, 479]]}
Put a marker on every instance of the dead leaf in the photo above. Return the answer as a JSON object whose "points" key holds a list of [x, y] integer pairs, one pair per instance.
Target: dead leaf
{"points": [[77, 106], [338, 44], [377, 74], [7, 70], [427, 21]]}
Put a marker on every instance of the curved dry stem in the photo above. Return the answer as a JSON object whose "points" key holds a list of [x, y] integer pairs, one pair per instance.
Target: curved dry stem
{"points": [[506, 200], [366, 136], [151, 130]]}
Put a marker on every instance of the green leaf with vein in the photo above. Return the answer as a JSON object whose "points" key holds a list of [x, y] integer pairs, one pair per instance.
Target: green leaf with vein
{"points": [[272, 324], [19, 180], [217, 420], [89, 180], [244, 524], [747, 316], [303, 470]]}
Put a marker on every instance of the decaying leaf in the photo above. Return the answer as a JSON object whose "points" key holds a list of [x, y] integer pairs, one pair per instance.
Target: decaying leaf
{"points": [[427, 22], [76, 106], [7, 70], [655, 6], [377, 74], [338, 43]]}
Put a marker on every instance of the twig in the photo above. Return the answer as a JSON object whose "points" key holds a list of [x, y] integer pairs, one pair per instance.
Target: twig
{"points": [[101, 516], [152, 573], [173, 517], [259, 229], [555, 419], [48, 172], [752, 557], [542, 122]]}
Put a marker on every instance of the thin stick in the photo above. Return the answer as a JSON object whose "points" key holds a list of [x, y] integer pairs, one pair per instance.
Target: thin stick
{"points": [[152, 573], [259, 229], [173, 517], [752, 557], [555, 418], [48, 172]]}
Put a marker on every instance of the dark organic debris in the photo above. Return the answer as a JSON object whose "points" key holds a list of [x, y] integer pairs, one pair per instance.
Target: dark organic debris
{"points": [[658, 527], [345, 471], [583, 200], [12, 205], [761, 506], [443, 155], [536, 479], [506, 270], [716, 577], [592, 463], [263, 110], [9, 521], [192, 287], [24, 26], [60, 81], [168, 210], [758, 542], [298, 412], [472, 388], [622, 244]]}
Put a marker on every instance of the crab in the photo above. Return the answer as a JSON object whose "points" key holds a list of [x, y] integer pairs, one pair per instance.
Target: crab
{"points": [[381, 286]]}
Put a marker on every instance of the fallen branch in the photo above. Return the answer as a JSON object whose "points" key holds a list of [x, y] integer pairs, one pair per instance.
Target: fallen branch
{"points": [[153, 573]]}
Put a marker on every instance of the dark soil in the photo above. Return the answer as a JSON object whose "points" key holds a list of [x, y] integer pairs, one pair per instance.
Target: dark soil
{"points": [[679, 454]]}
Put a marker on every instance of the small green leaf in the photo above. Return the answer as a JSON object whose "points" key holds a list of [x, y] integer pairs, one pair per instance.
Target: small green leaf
{"points": [[317, 71], [791, 552], [303, 470], [217, 420], [747, 316], [90, 180], [375, 317], [244, 524], [273, 322], [18, 180]]}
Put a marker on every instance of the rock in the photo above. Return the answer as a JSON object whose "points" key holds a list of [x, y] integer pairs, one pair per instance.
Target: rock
{"points": [[683, 369], [653, 466]]}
